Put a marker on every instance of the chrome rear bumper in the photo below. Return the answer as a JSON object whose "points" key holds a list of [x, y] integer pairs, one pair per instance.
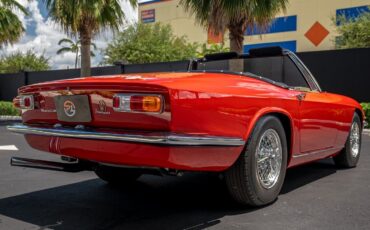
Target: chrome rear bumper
{"points": [[148, 138]]}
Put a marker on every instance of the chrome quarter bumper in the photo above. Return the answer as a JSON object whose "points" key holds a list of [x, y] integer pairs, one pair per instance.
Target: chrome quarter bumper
{"points": [[148, 138]]}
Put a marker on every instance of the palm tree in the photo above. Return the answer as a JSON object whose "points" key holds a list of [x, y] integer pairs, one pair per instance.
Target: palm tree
{"points": [[11, 27], [85, 19], [234, 15], [73, 47]]}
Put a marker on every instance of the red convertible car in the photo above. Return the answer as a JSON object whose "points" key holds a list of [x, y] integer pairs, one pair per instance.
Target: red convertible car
{"points": [[251, 126]]}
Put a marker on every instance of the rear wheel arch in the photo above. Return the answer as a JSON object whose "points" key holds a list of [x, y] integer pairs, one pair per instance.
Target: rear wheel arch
{"points": [[288, 128], [285, 119]]}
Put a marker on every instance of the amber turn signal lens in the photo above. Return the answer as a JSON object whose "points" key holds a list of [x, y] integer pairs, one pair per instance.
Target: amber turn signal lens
{"points": [[141, 103], [17, 102]]}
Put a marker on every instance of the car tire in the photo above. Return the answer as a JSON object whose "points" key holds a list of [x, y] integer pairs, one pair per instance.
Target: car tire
{"points": [[116, 175], [350, 154], [244, 180]]}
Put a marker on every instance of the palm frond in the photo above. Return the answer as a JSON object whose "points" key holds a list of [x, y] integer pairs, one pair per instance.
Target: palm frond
{"points": [[133, 3], [93, 15], [221, 13], [64, 50], [94, 46], [11, 27], [86, 18], [13, 5], [235, 15], [65, 40]]}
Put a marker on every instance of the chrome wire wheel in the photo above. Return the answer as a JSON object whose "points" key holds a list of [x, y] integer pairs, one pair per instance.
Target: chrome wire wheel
{"points": [[269, 158], [354, 139]]}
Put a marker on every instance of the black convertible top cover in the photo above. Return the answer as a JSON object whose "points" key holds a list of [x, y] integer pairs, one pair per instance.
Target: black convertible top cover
{"points": [[266, 52], [257, 52], [221, 56]]}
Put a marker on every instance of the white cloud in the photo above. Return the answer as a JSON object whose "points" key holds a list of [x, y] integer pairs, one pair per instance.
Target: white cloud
{"points": [[48, 34]]}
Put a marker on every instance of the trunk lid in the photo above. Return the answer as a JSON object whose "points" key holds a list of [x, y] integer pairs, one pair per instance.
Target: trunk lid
{"points": [[99, 92]]}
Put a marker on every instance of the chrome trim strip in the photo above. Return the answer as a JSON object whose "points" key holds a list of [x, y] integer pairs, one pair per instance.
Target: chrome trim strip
{"points": [[162, 138], [317, 152]]}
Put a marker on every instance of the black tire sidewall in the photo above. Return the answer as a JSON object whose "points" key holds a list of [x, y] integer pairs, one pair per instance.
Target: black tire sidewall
{"points": [[262, 194], [352, 161]]}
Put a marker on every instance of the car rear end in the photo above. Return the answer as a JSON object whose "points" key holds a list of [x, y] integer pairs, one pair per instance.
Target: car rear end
{"points": [[123, 121]]}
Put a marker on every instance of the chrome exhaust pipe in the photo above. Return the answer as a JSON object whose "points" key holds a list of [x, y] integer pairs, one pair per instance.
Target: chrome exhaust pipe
{"points": [[49, 165]]}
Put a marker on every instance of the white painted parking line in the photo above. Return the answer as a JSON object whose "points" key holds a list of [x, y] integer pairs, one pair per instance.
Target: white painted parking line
{"points": [[9, 147], [366, 132]]}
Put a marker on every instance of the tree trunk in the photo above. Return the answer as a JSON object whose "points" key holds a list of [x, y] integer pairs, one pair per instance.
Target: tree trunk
{"points": [[76, 61], [85, 37], [236, 35]]}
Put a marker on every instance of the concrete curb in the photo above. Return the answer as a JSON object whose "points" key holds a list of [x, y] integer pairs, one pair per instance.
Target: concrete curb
{"points": [[10, 118]]}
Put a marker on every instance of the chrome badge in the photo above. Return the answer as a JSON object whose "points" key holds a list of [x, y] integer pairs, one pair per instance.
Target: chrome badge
{"points": [[69, 108], [102, 108]]}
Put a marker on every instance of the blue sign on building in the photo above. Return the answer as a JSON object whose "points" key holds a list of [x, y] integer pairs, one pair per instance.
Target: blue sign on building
{"points": [[351, 13], [278, 25]]}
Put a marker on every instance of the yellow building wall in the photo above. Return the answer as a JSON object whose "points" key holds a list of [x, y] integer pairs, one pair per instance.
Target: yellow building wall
{"points": [[170, 12], [308, 12]]}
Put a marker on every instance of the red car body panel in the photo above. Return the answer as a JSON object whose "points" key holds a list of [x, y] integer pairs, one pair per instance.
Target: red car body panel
{"points": [[142, 155], [209, 104]]}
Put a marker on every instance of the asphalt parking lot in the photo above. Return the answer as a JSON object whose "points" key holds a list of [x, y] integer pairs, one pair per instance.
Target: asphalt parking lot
{"points": [[315, 196]]}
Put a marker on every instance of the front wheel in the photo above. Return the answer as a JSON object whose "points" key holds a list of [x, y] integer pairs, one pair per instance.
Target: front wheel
{"points": [[258, 175], [350, 155]]}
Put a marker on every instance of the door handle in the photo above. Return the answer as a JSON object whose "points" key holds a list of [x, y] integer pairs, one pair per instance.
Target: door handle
{"points": [[301, 96]]}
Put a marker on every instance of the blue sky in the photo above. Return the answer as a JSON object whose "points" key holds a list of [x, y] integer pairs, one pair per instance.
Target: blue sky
{"points": [[31, 26], [42, 35]]}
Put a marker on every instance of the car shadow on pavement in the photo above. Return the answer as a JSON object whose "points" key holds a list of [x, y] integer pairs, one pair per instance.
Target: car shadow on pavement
{"points": [[195, 201], [304, 174]]}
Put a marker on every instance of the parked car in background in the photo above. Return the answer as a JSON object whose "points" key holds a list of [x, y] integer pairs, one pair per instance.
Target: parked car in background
{"points": [[251, 126]]}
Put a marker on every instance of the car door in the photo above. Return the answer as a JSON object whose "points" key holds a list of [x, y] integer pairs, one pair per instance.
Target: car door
{"points": [[318, 115], [318, 122]]}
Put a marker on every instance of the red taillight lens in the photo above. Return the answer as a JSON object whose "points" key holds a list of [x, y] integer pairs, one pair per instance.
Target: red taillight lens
{"points": [[26, 102], [116, 102], [138, 103]]}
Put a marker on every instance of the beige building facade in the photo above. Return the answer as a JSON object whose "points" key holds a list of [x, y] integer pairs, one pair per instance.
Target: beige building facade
{"points": [[307, 25]]}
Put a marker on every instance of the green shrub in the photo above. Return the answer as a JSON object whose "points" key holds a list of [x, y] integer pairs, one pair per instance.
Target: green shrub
{"points": [[353, 32], [146, 43], [366, 108], [212, 48], [7, 108], [19, 62]]}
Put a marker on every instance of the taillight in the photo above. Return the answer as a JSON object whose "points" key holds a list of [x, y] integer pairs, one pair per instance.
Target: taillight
{"points": [[26, 102], [146, 104], [116, 102], [17, 102], [141, 103]]}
